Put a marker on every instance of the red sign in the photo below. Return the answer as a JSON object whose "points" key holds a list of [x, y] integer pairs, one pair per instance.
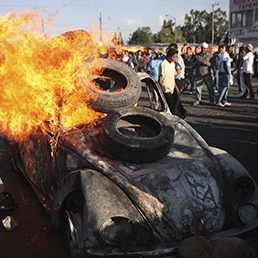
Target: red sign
{"points": [[246, 4]]}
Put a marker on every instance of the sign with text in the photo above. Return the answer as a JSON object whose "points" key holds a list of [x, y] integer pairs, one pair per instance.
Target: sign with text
{"points": [[243, 19], [245, 32], [241, 5]]}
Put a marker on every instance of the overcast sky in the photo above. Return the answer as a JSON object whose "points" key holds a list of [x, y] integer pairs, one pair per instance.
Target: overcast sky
{"points": [[124, 15]]}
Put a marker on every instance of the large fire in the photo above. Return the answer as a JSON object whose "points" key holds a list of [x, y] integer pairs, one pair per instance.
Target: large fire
{"points": [[41, 79]]}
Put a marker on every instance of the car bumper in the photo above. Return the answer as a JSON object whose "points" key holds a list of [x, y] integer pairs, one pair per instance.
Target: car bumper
{"points": [[165, 249]]}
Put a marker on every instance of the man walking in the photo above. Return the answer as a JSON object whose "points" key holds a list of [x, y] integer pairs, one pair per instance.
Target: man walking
{"points": [[240, 76], [216, 66], [169, 87], [180, 68], [203, 64], [248, 59], [149, 54], [188, 66], [225, 77]]}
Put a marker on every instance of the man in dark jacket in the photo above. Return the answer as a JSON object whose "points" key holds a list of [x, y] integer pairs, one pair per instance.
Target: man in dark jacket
{"points": [[203, 64], [140, 61], [239, 66], [132, 62], [188, 57]]}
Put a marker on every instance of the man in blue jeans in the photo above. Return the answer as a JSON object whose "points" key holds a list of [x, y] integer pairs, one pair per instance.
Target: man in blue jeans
{"points": [[225, 77], [216, 66], [153, 65]]}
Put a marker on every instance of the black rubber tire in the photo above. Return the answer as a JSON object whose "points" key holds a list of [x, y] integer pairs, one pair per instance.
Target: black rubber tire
{"points": [[81, 38], [74, 34], [124, 79], [120, 129]]}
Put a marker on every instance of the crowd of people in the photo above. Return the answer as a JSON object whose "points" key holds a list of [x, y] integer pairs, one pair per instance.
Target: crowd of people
{"points": [[202, 67]]}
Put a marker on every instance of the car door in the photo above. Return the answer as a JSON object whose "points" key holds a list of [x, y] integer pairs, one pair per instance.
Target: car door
{"points": [[37, 160]]}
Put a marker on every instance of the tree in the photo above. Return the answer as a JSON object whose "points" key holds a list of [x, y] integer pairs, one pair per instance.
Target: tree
{"points": [[168, 24], [180, 36], [198, 26], [193, 26], [221, 26], [164, 36], [167, 33], [141, 36]]}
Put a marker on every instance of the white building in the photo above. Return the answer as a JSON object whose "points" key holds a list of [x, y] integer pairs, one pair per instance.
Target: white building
{"points": [[243, 22]]}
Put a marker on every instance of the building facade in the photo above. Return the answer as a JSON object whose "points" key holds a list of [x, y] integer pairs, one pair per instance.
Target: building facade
{"points": [[243, 22]]}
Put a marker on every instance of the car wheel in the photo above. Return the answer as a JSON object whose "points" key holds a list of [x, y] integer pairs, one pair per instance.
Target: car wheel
{"points": [[137, 135], [74, 232], [116, 87]]}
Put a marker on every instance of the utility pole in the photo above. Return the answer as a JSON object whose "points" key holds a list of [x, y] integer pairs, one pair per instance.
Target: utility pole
{"points": [[119, 36], [100, 27], [42, 25], [175, 26], [212, 23], [161, 37]]}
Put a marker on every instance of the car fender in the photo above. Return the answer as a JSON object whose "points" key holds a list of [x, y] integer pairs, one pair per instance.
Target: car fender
{"points": [[69, 184], [235, 175], [103, 200]]}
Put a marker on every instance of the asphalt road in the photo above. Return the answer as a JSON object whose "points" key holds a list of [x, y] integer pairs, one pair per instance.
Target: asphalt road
{"points": [[34, 235], [231, 128]]}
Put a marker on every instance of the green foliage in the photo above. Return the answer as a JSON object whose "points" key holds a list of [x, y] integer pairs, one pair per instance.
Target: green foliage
{"points": [[168, 24], [180, 36], [164, 36], [141, 36], [167, 33], [198, 26]]}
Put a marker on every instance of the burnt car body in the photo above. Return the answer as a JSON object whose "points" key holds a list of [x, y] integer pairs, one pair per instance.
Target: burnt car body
{"points": [[113, 206]]}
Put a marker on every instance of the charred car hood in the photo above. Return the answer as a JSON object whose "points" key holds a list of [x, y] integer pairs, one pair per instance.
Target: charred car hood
{"points": [[181, 192]]}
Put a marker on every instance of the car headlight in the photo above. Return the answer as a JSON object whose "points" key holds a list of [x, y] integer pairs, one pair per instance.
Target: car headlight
{"points": [[247, 212], [116, 231], [243, 189]]}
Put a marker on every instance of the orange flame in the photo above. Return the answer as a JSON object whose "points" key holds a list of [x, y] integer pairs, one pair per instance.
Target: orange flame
{"points": [[41, 79]]}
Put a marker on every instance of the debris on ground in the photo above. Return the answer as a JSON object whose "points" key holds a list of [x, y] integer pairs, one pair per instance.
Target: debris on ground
{"points": [[9, 223]]}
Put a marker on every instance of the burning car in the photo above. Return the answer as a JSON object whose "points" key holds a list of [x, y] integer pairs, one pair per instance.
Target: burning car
{"points": [[137, 182]]}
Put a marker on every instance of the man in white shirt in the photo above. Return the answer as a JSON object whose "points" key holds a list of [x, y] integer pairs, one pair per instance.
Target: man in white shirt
{"points": [[180, 68], [225, 77], [167, 81], [248, 59], [125, 56]]}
